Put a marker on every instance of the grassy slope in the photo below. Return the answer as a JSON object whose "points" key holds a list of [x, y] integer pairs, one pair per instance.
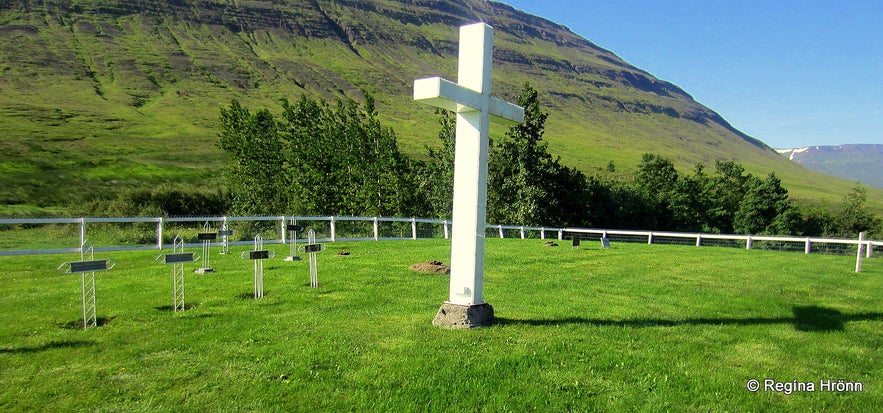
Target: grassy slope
{"points": [[103, 103], [636, 327]]}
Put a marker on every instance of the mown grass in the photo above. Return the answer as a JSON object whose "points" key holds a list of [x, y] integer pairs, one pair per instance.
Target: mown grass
{"points": [[636, 327]]}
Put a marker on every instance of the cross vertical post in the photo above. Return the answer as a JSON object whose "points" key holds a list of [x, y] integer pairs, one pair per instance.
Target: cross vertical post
{"points": [[475, 108]]}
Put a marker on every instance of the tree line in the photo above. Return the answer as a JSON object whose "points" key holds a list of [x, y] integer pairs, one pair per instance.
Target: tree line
{"points": [[320, 158]]}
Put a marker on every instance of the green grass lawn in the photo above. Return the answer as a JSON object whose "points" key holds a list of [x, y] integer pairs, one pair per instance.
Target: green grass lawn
{"points": [[633, 328]]}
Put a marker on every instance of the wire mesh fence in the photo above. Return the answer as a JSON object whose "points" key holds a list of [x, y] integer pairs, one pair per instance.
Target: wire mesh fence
{"points": [[57, 235]]}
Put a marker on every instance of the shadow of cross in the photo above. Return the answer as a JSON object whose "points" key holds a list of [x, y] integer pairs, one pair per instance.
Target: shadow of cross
{"points": [[806, 318]]}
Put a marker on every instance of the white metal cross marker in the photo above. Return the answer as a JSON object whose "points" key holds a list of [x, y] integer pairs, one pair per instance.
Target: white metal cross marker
{"points": [[475, 108]]}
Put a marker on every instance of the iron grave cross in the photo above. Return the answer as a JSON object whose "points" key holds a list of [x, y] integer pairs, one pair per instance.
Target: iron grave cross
{"points": [[475, 108]]}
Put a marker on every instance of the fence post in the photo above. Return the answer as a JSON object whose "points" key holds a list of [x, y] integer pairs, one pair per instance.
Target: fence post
{"points": [[82, 233], [858, 257], [159, 234], [332, 227], [522, 232], [500, 227], [447, 232], [560, 235], [698, 240], [413, 228], [650, 238], [376, 231], [748, 241], [542, 232], [808, 247], [282, 229]]}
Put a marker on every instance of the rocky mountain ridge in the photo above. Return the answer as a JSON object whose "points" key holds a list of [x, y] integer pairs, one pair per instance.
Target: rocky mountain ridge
{"points": [[855, 162], [95, 93]]}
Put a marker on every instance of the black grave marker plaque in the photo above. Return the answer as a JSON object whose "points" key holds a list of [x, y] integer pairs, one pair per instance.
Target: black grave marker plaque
{"points": [[88, 266], [259, 255], [179, 257], [312, 248]]}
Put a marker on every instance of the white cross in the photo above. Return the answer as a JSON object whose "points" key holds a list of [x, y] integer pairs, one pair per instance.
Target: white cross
{"points": [[475, 107]]}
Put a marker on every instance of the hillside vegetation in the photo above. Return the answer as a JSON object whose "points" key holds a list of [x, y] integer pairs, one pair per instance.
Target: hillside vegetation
{"points": [[101, 95]]}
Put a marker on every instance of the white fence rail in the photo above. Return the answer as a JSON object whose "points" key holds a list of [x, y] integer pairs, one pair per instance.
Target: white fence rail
{"points": [[67, 235]]}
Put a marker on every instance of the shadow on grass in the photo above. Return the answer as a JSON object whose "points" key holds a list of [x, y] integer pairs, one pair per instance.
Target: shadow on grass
{"points": [[806, 318], [78, 324], [52, 345], [170, 307], [249, 296]]}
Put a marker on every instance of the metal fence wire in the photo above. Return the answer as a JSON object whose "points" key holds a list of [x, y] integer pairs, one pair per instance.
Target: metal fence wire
{"points": [[67, 235]]}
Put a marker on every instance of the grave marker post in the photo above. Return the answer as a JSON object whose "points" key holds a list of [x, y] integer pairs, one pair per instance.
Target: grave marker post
{"points": [[177, 258], [225, 233], [471, 100], [206, 237], [293, 229], [311, 249], [258, 255], [87, 269]]}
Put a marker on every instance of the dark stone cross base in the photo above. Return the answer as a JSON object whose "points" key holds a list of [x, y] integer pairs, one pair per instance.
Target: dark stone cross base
{"points": [[464, 316]]}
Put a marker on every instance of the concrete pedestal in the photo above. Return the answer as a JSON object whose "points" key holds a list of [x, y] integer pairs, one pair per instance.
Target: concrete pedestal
{"points": [[464, 316]]}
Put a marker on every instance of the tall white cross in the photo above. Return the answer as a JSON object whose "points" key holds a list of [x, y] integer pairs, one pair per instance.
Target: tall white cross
{"points": [[475, 108]]}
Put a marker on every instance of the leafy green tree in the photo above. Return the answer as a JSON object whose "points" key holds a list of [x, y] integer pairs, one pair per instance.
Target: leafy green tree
{"points": [[344, 161], [854, 216], [657, 181], [526, 184], [435, 179], [317, 159], [690, 201], [257, 171], [766, 209], [725, 191]]}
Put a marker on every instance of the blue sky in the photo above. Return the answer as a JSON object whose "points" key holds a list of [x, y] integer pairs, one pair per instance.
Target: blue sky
{"points": [[790, 73]]}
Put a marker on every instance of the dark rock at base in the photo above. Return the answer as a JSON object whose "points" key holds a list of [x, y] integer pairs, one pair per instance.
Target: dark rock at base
{"points": [[550, 244], [464, 316]]}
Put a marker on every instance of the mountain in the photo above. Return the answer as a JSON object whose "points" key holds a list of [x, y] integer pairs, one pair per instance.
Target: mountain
{"points": [[862, 163], [97, 96]]}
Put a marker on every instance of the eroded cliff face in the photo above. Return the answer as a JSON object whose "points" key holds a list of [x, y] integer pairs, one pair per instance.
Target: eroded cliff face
{"points": [[223, 41], [139, 71]]}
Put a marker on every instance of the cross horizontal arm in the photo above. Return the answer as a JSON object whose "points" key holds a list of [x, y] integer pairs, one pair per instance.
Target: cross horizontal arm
{"points": [[442, 93], [505, 113]]}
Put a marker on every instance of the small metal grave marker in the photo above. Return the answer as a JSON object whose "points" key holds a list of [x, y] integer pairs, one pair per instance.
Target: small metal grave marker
{"points": [[84, 267], [177, 258], [224, 233], [311, 249], [576, 241], [293, 229], [206, 237], [258, 255], [605, 242]]}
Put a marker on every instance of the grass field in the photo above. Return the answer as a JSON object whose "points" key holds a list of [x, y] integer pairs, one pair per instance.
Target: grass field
{"points": [[633, 328]]}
